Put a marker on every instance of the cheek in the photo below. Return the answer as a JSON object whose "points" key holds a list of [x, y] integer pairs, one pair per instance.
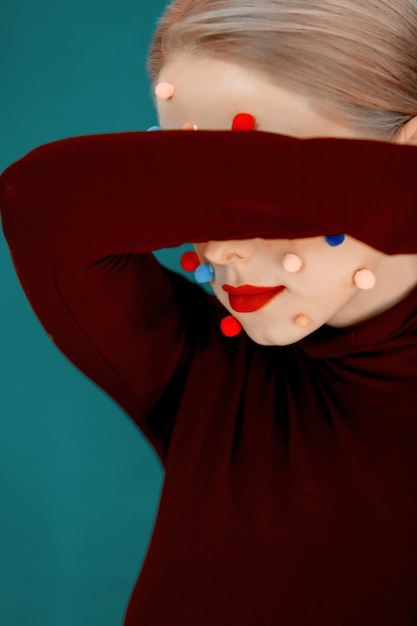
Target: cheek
{"points": [[219, 292], [199, 249]]}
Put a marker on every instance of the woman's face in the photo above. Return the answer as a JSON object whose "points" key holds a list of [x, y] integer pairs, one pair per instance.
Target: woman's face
{"points": [[321, 291], [210, 93]]}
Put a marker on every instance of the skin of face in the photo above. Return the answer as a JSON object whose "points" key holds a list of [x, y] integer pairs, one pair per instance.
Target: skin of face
{"points": [[209, 93]]}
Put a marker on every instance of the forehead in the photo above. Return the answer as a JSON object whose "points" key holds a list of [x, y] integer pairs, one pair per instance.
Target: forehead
{"points": [[210, 92], [214, 91]]}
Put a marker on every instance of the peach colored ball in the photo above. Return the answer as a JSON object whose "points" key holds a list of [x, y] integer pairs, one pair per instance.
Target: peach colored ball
{"points": [[302, 321], [364, 279], [164, 91], [190, 126], [292, 263]]}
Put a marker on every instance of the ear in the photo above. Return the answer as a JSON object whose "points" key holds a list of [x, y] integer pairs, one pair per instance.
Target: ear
{"points": [[408, 133]]}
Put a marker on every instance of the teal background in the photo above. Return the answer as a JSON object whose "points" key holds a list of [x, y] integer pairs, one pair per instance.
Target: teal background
{"points": [[79, 486]]}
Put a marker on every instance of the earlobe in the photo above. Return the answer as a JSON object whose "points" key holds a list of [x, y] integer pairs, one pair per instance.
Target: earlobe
{"points": [[408, 132]]}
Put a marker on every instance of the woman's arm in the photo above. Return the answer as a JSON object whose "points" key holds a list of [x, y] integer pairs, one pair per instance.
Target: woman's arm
{"points": [[81, 252], [175, 187], [81, 216]]}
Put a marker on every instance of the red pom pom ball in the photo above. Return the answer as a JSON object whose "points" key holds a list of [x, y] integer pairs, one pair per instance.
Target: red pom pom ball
{"points": [[189, 261], [230, 326], [243, 121]]}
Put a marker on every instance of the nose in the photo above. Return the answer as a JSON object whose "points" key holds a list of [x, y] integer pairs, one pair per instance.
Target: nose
{"points": [[229, 252]]}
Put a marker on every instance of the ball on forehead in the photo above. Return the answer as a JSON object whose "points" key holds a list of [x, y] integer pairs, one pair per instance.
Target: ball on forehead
{"points": [[243, 121], [164, 91]]}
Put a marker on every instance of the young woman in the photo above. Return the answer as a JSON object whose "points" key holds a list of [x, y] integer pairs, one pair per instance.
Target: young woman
{"points": [[289, 448]]}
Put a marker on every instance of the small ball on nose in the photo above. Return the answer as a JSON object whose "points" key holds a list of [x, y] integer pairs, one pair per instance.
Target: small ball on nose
{"points": [[204, 273]]}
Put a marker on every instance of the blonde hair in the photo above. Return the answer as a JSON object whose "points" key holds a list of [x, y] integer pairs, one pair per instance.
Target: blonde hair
{"points": [[355, 57]]}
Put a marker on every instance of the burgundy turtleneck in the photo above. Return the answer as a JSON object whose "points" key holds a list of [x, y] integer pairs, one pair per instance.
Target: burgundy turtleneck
{"points": [[290, 491]]}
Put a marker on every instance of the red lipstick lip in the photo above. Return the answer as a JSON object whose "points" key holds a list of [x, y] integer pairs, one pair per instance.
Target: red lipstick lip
{"points": [[248, 298]]}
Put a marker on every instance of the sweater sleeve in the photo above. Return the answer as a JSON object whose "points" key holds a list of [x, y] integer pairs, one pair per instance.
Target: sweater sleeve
{"points": [[83, 258], [82, 215]]}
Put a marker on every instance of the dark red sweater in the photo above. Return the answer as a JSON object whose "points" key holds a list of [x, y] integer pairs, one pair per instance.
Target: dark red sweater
{"points": [[290, 493]]}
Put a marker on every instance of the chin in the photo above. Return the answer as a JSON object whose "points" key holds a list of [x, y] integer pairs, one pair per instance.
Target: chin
{"points": [[277, 339], [265, 340]]}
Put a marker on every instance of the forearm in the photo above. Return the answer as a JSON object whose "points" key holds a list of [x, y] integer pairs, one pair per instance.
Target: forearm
{"points": [[134, 192]]}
